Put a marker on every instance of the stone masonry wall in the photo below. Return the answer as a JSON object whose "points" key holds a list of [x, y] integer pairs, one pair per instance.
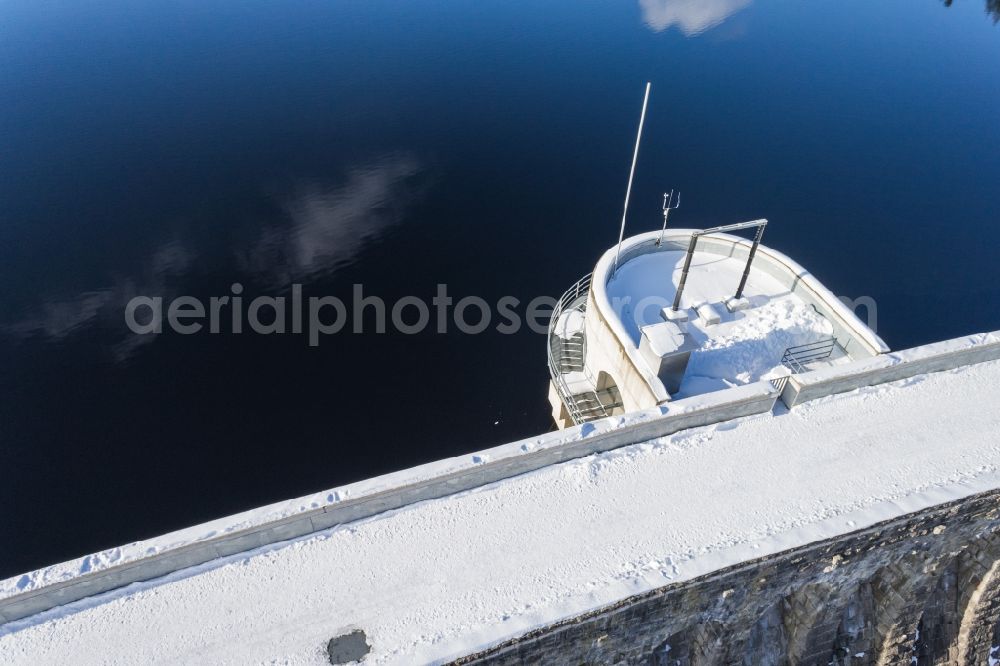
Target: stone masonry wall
{"points": [[920, 589]]}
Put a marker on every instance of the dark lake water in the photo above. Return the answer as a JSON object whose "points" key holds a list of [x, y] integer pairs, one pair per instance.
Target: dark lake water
{"points": [[175, 148]]}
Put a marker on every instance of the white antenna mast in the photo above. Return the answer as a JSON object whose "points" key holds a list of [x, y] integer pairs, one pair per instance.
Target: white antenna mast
{"points": [[628, 191], [668, 205]]}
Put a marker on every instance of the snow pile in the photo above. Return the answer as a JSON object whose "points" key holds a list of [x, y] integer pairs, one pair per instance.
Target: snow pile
{"points": [[442, 578], [748, 348]]}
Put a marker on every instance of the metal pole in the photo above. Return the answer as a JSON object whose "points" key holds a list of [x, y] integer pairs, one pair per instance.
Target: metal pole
{"points": [[628, 191], [753, 251], [684, 271]]}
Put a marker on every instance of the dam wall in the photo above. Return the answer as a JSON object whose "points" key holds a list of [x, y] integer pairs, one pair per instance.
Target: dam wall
{"points": [[788, 498], [107, 571]]}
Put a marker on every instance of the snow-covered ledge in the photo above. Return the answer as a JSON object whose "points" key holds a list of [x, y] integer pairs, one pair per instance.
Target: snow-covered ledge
{"points": [[37, 591]]}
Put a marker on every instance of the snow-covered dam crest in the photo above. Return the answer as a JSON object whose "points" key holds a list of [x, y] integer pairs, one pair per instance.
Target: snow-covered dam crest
{"points": [[501, 548]]}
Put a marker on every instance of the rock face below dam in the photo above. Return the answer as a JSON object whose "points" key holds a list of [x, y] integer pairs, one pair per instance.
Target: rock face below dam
{"points": [[920, 589]]}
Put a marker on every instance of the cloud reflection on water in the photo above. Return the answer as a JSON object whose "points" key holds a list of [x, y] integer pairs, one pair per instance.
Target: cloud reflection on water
{"points": [[692, 17], [328, 227], [322, 228], [59, 318]]}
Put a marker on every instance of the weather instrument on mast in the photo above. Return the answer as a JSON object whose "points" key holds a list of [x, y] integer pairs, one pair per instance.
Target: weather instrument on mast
{"points": [[669, 204]]}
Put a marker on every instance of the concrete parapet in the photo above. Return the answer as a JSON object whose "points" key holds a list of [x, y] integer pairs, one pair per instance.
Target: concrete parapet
{"points": [[891, 367]]}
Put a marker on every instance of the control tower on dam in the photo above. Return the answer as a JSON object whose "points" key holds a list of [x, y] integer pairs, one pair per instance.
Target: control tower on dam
{"points": [[744, 473], [684, 312]]}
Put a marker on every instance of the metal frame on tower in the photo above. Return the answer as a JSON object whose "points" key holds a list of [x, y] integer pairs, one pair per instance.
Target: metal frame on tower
{"points": [[695, 235]]}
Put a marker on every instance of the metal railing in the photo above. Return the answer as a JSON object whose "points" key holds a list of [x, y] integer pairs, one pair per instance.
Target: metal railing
{"points": [[566, 355], [796, 358], [574, 298]]}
